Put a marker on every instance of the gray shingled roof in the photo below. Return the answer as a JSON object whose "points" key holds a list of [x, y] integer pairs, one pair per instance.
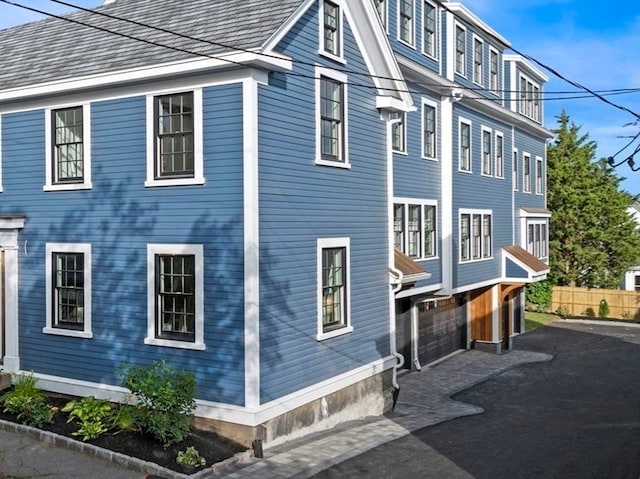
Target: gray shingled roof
{"points": [[55, 49]]}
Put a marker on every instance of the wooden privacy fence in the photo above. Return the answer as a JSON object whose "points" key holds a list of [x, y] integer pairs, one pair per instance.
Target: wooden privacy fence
{"points": [[586, 302]]}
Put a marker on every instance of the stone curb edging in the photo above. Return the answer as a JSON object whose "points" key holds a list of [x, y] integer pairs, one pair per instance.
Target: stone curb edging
{"points": [[601, 322], [119, 459]]}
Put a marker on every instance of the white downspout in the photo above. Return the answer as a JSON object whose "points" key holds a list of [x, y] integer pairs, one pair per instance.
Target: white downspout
{"points": [[392, 267]]}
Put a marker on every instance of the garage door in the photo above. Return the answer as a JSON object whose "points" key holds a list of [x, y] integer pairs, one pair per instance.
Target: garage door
{"points": [[442, 329]]}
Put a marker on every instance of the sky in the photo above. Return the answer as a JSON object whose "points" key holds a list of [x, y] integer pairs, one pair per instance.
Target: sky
{"points": [[584, 41]]}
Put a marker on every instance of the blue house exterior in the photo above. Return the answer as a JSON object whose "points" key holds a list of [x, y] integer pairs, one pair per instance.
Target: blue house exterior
{"points": [[292, 202]]}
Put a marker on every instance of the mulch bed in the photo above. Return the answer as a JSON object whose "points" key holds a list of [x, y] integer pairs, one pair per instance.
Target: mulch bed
{"points": [[211, 446]]}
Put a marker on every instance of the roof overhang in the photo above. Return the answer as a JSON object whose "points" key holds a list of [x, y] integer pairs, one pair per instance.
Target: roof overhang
{"points": [[407, 270], [520, 266]]}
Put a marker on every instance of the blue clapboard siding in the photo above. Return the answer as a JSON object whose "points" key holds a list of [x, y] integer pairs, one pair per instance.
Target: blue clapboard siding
{"points": [[417, 177], [514, 271], [301, 202], [477, 192], [119, 217], [413, 52]]}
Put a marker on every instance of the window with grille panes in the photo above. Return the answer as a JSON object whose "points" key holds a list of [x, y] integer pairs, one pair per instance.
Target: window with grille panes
{"points": [[429, 231], [429, 34], [398, 227], [499, 147], [476, 235], [68, 290], [398, 132], [334, 289], [331, 30], [478, 61], [331, 120], [174, 129], [68, 145], [414, 227], [464, 150], [381, 7], [486, 152], [461, 50], [175, 303], [526, 173], [494, 82], [406, 21], [429, 133]]}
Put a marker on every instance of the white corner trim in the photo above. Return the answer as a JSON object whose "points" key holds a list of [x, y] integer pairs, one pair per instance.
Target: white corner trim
{"points": [[251, 244]]}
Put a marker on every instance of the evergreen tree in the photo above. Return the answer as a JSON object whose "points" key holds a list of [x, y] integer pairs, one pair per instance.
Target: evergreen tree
{"points": [[593, 240]]}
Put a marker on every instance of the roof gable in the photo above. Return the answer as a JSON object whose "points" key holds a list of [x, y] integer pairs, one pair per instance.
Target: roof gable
{"points": [[64, 48]]}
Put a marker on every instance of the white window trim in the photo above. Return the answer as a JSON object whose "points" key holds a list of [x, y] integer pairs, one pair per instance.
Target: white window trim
{"points": [[433, 104], [183, 249], [467, 122], [471, 212], [404, 150], [498, 84], [482, 62], [526, 185], [323, 243], [540, 172], [498, 134], [198, 161], [433, 56], [322, 50], [405, 202], [483, 130], [384, 18], [536, 114], [342, 78], [413, 27], [455, 50], [86, 147], [85, 249]]}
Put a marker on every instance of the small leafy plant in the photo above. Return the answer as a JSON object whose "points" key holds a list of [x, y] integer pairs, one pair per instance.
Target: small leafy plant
{"points": [[190, 458], [28, 402], [165, 397], [92, 414], [603, 308]]}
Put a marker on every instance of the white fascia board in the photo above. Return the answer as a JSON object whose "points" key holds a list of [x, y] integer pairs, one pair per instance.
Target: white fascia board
{"points": [[273, 62], [393, 104], [463, 12], [280, 33], [527, 65]]}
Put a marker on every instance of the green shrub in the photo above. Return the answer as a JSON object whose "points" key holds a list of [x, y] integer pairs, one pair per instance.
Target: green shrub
{"points": [[165, 397], [190, 458], [28, 402], [92, 414], [539, 293], [603, 309], [562, 311], [126, 418]]}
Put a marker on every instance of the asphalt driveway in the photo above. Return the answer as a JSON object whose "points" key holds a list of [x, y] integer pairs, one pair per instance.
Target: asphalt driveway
{"points": [[575, 417]]}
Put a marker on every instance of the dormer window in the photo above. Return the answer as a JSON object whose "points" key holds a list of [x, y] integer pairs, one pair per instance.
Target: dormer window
{"points": [[529, 98]]}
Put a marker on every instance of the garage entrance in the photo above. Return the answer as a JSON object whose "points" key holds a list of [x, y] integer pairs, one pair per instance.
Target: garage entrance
{"points": [[442, 328]]}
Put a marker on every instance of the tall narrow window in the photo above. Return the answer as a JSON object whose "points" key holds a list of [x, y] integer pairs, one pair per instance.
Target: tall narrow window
{"points": [[68, 145], [499, 156], [476, 233], [174, 136], [414, 229], [429, 231], [381, 7], [175, 296], [539, 178], [398, 227], [493, 73], [333, 284], [486, 236], [176, 302], [331, 28], [464, 155], [526, 173], [406, 28], [68, 289], [398, 132], [331, 120], [68, 148], [486, 152], [478, 61], [461, 50], [465, 237], [515, 170], [429, 133], [429, 39]]}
